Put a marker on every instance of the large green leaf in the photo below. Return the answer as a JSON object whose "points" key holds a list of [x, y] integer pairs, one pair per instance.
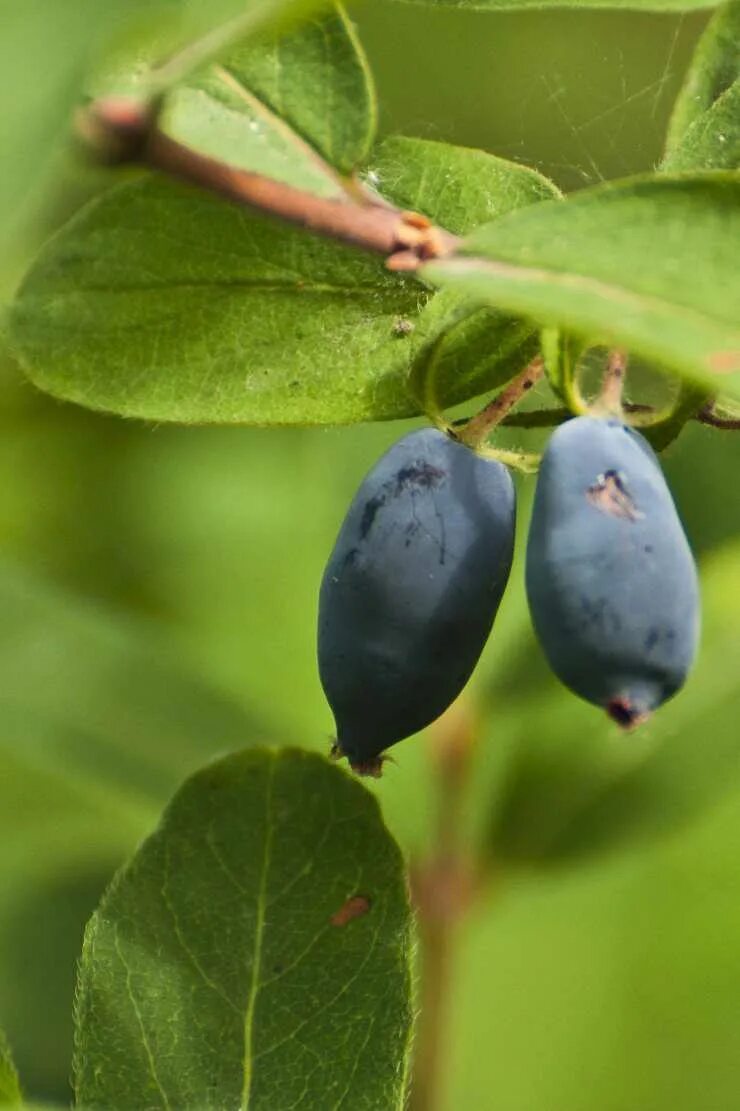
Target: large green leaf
{"points": [[255, 951], [270, 107], [713, 70], [10, 1092], [160, 302], [163, 303], [646, 263]]}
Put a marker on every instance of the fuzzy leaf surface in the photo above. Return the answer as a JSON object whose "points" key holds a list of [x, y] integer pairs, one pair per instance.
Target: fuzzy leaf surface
{"points": [[226, 966], [160, 302], [290, 106]]}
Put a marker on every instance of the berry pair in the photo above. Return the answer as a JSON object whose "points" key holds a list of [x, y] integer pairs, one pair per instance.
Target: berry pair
{"points": [[422, 559]]}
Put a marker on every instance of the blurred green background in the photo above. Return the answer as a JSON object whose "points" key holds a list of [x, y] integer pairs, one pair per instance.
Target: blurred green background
{"points": [[158, 591]]}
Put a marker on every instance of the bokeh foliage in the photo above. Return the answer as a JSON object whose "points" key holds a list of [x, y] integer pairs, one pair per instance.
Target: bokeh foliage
{"points": [[169, 579]]}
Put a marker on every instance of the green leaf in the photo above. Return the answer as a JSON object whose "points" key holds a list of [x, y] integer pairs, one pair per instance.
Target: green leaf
{"points": [[459, 187], [574, 787], [516, 5], [561, 352], [712, 142], [472, 349], [255, 952], [460, 350], [270, 107], [10, 1092], [646, 263], [714, 68], [163, 303]]}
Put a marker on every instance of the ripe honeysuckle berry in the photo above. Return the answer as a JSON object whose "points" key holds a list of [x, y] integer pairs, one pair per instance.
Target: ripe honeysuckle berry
{"points": [[611, 580], [411, 590]]}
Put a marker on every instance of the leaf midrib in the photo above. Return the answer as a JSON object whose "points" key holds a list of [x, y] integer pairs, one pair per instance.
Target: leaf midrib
{"points": [[258, 932], [519, 274]]}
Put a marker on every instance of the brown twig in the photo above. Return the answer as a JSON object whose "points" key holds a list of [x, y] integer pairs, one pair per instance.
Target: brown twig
{"points": [[128, 131], [443, 887], [479, 427]]}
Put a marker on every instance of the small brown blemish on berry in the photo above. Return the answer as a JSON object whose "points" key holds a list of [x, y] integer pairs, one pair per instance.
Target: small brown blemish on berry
{"points": [[609, 494], [355, 907]]}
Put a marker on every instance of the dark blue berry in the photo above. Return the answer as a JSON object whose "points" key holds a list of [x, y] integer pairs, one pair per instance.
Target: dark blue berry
{"points": [[411, 590]]}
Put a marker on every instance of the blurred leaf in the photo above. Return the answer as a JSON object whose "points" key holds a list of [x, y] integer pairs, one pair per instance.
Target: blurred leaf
{"points": [[688, 401], [648, 263], [575, 787], [42, 922], [459, 187], [100, 702], [714, 68], [255, 950], [270, 107], [10, 1092], [726, 408], [46, 50], [516, 5]]}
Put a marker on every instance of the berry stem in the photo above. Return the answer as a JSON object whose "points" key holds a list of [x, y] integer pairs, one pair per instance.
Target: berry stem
{"points": [[612, 386], [479, 427]]}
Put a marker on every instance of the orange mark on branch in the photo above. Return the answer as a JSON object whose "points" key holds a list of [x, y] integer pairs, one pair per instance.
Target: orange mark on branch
{"points": [[353, 908], [724, 362]]}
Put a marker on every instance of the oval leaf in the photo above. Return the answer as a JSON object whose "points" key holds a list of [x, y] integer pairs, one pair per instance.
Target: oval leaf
{"points": [[254, 953], [160, 302], [646, 263]]}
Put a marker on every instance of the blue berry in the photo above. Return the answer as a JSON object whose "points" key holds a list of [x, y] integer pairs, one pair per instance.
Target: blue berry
{"points": [[411, 590], [611, 580]]}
